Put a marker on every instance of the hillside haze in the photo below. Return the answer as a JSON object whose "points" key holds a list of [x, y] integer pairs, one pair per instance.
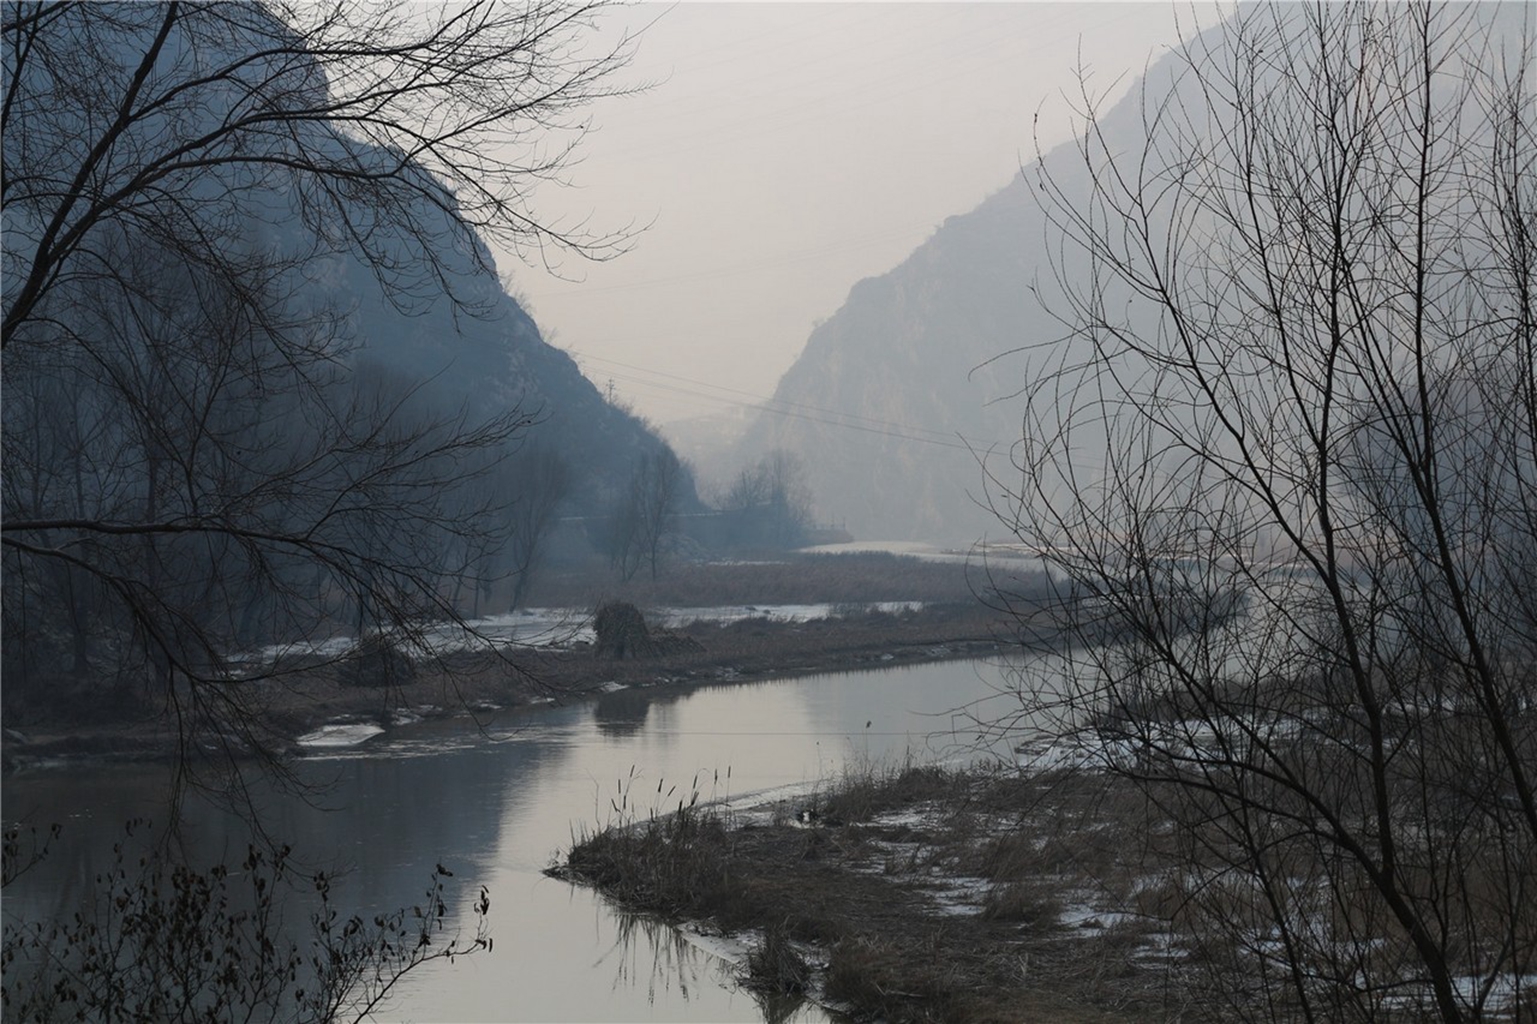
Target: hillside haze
{"points": [[400, 294], [907, 405], [898, 403], [491, 358]]}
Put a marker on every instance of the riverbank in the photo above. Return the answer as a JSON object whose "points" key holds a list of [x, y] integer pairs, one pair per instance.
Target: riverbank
{"points": [[925, 893], [285, 711]]}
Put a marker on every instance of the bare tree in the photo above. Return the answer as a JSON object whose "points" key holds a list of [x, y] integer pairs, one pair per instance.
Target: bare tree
{"points": [[542, 482], [658, 487], [192, 944], [196, 460], [770, 501], [1283, 465], [164, 118], [642, 512], [621, 539]]}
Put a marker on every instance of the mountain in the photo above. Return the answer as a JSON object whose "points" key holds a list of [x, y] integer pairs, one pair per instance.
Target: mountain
{"points": [[908, 405], [905, 405], [898, 402], [204, 213], [260, 382], [494, 360], [705, 442]]}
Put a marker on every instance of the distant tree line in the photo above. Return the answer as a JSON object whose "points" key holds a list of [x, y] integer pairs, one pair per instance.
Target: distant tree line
{"points": [[766, 507], [768, 504]]}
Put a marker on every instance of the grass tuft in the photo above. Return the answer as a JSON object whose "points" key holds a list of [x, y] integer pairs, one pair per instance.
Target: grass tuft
{"points": [[776, 966]]}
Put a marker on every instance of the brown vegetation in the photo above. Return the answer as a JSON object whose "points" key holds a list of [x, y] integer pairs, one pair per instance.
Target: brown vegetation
{"points": [[924, 894], [982, 894], [785, 578]]}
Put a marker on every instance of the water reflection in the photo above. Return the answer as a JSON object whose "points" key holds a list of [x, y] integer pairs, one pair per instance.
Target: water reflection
{"points": [[496, 806], [779, 1007], [623, 712], [674, 962], [677, 962]]}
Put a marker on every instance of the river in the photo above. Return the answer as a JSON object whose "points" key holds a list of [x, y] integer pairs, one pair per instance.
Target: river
{"points": [[495, 806]]}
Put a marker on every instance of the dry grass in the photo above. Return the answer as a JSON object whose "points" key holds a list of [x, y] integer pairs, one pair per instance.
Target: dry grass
{"points": [[862, 792], [1027, 901], [775, 966], [789, 578], [870, 884]]}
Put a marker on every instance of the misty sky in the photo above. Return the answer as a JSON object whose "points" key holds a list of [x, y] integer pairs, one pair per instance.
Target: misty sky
{"points": [[786, 151]]}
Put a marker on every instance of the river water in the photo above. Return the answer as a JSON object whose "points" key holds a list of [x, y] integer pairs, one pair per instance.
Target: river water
{"points": [[495, 806]]}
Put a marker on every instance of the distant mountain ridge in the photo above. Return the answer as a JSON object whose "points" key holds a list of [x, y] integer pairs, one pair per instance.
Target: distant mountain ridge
{"points": [[395, 287], [909, 363], [928, 363]]}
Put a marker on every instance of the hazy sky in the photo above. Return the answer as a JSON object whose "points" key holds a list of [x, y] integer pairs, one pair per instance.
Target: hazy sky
{"points": [[787, 150]]}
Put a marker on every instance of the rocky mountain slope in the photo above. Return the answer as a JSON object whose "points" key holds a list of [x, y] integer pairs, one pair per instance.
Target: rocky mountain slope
{"points": [[907, 365], [906, 404]]}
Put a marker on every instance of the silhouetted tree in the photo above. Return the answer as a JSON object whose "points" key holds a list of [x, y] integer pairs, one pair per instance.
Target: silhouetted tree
{"points": [[195, 460], [176, 943], [769, 502], [540, 483], [640, 518], [1284, 461]]}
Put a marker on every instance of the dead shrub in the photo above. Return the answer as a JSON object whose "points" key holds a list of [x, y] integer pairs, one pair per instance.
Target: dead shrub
{"points": [[1013, 856], [864, 791], [776, 965], [672, 865], [1025, 902], [621, 632], [863, 971]]}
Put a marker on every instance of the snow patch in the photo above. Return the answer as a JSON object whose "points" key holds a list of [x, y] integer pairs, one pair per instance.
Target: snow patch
{"points": [[724, 615], [340, 734], [730, 948]]}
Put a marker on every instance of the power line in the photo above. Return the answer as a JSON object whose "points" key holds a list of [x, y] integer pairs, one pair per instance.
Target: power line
{"points": [[783, 260], [960, 444], [793, 410], [759, 399]]}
